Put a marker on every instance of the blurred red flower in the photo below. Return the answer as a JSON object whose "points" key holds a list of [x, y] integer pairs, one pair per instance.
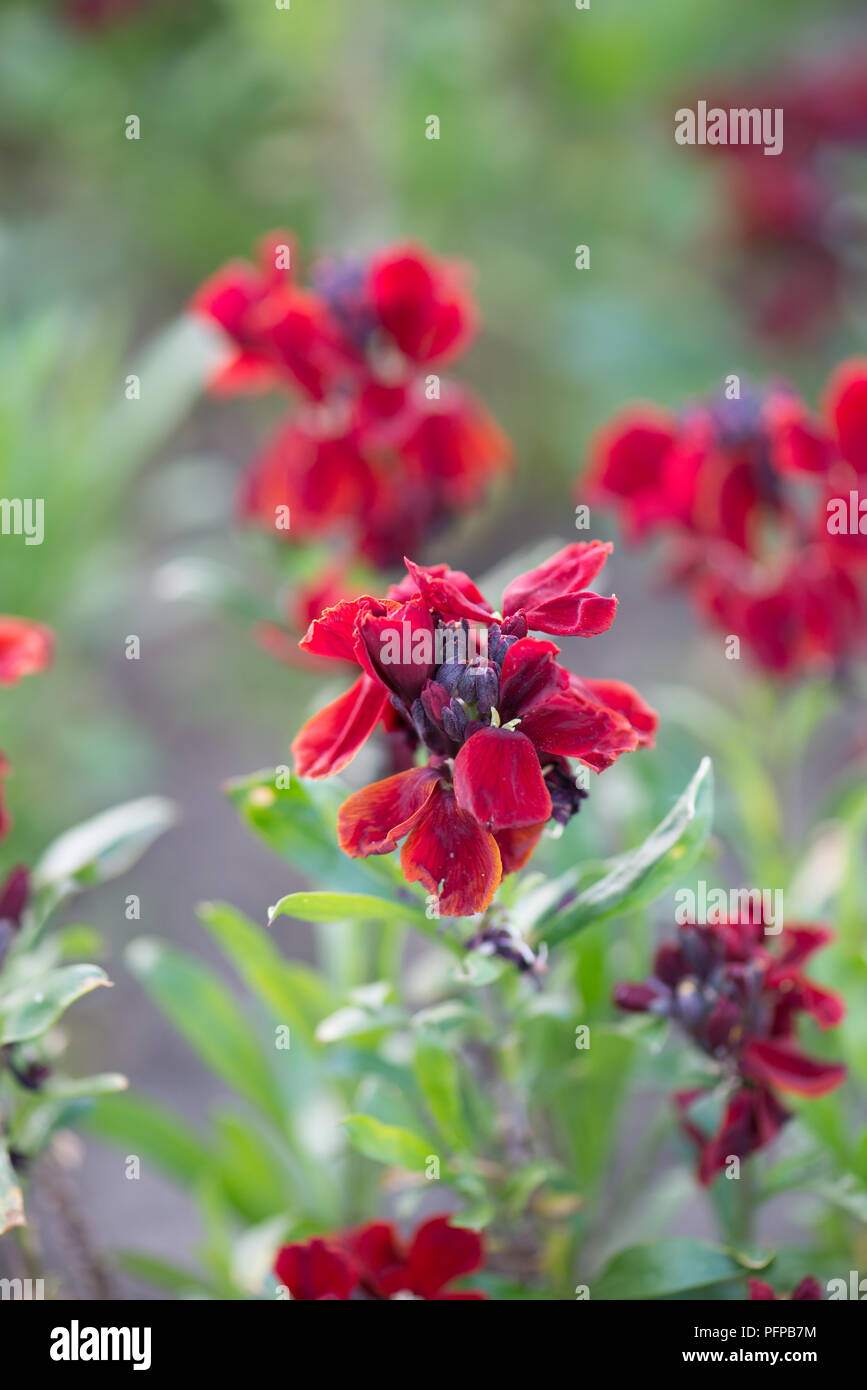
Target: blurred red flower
{"points": [[789, 232], [739, 1001], [497, 716], [378, 450], [373, 1260], [25, 649], [758, 500]]}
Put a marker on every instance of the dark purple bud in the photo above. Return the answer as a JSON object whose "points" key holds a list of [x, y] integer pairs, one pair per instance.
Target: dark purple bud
{"points": [[455, 721]]}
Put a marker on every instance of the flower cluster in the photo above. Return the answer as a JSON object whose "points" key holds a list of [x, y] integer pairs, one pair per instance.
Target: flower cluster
{"points": [[739, 1002], [380, 449], [496, 717], [790, 231], [759, 499], [373, 1262]]}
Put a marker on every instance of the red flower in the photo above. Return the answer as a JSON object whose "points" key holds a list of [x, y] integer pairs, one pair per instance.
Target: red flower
{"points": [[232, 298], [739, 1002], [808, 1289], [25, 649], [498, 717], [374, 1260], [378, 452], [316, 1271], [438, 1254], [421, 303], [759, 499]]}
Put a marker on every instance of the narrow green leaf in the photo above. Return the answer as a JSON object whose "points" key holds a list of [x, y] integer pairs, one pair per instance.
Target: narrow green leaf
{"points": [[106, 846], [32, 1008], [390, 1144], [639, 876], [205, 1013], [439, 1080], [343, 907], [153, 1132]]}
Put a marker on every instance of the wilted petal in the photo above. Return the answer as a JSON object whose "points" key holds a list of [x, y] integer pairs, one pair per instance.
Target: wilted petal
{"points": [[453, 856], [375, 819]]}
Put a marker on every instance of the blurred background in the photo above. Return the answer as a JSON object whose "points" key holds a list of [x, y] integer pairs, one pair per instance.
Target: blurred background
{"points": [[556, 129]]}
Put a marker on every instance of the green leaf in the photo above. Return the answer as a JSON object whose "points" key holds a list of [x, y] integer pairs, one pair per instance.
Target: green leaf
{"points": [[143, 1127], [639, 876], [205, 1013], [32, 1008], [106, 846], [439, 1080], [390, 1144], [668, 1268], [81, 1087], [293, 993], [343, 907], [11, 1201], [298, 822], [172, 1278]]}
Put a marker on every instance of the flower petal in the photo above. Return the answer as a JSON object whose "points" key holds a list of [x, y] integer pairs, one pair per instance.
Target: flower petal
{"points": [[315, 1270], [453, 856], [498, 780], [577, 726], [529, 676], [516, 846], [373, 820], [619, 696], [551, 596], [846, 404], [440, 1253], [776, 1064], [332, 737], [449, 592]]}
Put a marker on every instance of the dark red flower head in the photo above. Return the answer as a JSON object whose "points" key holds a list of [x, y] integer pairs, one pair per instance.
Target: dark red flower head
{"points": [[382, 451], [738, 994], [760, 501], [496, 714]]}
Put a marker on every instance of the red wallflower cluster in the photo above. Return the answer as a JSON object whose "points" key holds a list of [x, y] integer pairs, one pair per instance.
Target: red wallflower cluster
{"points": [[495, 714], [759, 499], [380, 449], [790, 233], [739, 1001], [372, 1261]]}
